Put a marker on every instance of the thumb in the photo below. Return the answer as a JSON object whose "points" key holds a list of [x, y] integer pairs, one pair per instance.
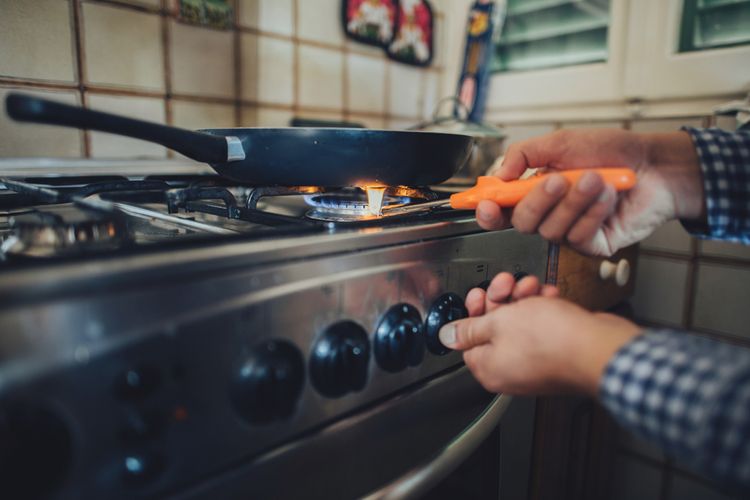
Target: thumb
{"points": [[466, 333]]}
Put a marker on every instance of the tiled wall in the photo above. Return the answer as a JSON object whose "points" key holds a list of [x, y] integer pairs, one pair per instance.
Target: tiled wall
{"points": [[701, 286], [283, 58]]}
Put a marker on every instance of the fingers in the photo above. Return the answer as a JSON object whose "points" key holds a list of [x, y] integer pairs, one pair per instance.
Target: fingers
{"points": [[534, 207], [466, 333], [490, 217], [475, 302], [550, 291], [533, 153], [585, 228], [499, 291], [570, 209]]}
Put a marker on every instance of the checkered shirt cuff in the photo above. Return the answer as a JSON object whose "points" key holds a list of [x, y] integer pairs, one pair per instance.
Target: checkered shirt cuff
{"points": [[690, 396], [725, 162]]}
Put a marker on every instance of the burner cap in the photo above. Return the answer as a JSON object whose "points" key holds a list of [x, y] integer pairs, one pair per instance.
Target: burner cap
{"points": [[62, 230], [347, 206]]}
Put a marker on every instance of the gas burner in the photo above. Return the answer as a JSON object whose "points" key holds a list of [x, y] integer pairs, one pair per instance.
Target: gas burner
{"points": [[354, 205], [59, 230], [347, 206]]}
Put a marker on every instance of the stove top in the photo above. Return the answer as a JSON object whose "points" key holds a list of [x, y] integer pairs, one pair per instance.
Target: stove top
{"points": [[74, 209]]}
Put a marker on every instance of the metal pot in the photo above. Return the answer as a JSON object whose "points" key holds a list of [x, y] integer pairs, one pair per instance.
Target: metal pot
{"points": [[488, 140]]}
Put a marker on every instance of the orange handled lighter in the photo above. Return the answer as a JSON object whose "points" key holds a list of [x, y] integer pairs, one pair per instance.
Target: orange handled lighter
{"points": [[508, 194]]}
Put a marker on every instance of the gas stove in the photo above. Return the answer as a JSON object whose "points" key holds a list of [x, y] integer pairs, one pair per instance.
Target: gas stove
{"points": [[164, 333]]}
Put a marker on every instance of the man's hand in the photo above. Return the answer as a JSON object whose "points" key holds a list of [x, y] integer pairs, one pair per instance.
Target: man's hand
{"points": [[590, 215], [537, 344]]}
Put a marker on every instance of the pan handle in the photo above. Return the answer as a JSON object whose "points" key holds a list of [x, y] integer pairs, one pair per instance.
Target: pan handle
{"points": [[196, 145]]}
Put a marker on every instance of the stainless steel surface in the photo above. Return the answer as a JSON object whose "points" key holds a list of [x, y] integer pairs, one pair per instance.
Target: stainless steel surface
{"points": [[186, 283], [235, 150], [359, 453], [98, 203], [421, 479]]}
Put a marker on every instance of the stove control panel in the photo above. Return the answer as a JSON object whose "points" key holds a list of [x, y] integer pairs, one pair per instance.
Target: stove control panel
{"points": [[147, 389]]}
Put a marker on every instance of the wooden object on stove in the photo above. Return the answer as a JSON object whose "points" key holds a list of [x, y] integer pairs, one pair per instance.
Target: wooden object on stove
{"points": [[574, 438], [580, 277]]}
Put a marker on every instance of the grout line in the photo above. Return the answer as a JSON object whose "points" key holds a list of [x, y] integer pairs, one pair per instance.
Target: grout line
{"points": [[81, 76], [237, 48], [149, 9], [345, 84], [295, 57], [167, 65]]}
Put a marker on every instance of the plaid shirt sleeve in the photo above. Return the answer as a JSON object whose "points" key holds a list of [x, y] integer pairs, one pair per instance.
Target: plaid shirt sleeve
{"points": [[725, 161], [690, 396]]}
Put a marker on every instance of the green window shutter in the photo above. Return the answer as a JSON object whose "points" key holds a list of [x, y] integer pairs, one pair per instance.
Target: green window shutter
{"points": [[712, 24], [547, 33]]}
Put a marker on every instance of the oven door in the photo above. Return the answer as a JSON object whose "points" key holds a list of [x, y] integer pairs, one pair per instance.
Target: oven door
{"points": [[399, 448]]}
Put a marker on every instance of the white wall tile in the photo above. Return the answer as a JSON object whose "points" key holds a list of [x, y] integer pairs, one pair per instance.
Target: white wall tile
{"points": [[518, 133], [267, 69], [366, 79], [27, 139], [202, 60], [726, 123], [320, 20], [724, 249], [270, 117], [721, 299], [320, 77], [660, 290], [35, 40], [267, 15], [670, 237], [635, 480], [320, 115], [197, 115], [593, 124], [432, 95], [374, 122], [249, 116], [405, 92], [666, 125], [439, 43], [105, 145], [399, 124], [685, 488], [123, 47]]}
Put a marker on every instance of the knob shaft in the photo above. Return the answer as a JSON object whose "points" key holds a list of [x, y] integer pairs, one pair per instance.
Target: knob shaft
{"points": [[269, 382], [448, 307], [339, 360], [399, 338]]}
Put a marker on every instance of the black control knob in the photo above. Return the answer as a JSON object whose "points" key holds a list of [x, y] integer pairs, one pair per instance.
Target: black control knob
{"points": [[35, 451], [269, 382], [339, 360], [448, 307], [399, 338]]}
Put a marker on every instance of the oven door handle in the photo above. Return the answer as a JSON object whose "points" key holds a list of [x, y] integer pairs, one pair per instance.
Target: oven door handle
{"points": [[419, 480]]}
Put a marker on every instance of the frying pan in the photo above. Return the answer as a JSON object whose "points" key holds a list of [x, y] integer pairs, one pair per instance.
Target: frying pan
{"points": [[327, 157]]}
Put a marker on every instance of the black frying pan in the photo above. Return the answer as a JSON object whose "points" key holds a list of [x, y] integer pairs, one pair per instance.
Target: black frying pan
{"points": [[280, 156]]}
